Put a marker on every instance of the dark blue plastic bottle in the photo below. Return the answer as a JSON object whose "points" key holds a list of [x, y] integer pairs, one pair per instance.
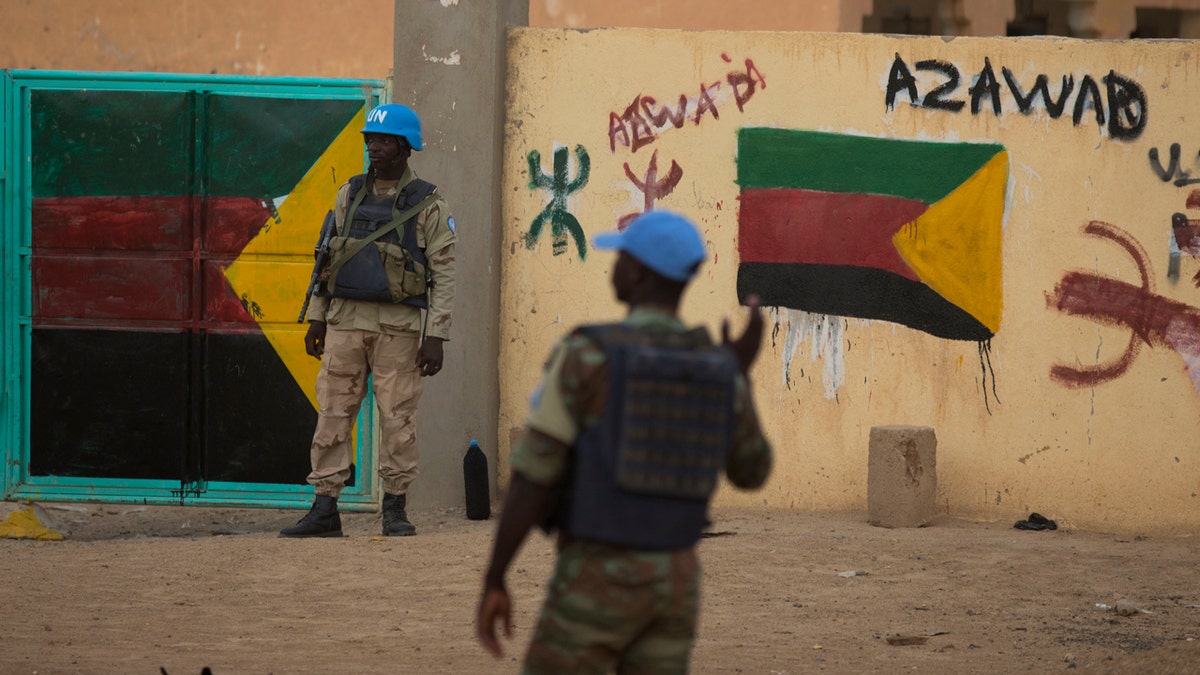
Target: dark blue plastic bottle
{"points": [[475, 478]]}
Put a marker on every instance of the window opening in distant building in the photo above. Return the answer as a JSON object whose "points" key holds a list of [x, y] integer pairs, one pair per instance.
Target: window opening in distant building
{"points": [[1038, 17], [914, 17], [1157, 24]]}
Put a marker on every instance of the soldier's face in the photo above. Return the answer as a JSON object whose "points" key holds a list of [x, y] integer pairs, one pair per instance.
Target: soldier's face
{"points": [[385, 151]]}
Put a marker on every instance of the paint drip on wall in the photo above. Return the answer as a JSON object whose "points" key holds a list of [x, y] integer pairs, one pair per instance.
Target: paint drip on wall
{"points": [[824, 333]]}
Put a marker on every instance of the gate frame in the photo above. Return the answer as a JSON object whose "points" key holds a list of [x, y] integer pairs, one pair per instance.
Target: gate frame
{"points": [[15, 298]]}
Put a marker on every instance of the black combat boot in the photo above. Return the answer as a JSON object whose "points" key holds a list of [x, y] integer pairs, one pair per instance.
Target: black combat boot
{"points": [[322, 521], [395, 520]]}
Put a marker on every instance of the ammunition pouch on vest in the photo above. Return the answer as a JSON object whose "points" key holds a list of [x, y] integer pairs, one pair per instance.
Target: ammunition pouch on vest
{"points": [[643, 474], [390, 267]]}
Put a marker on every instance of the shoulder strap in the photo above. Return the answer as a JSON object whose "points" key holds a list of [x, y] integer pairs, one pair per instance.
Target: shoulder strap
{"points": [[356, 183], [416, 190]]}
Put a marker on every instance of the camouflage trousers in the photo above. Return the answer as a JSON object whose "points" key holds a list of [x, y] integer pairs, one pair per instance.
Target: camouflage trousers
{"points": [[350, 356], [610, 608]]}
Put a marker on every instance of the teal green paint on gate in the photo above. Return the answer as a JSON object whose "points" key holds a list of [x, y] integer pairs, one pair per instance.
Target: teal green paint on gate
{"points": [[12, 367]]}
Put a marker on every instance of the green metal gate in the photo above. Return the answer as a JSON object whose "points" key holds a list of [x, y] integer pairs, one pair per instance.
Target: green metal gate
{"points": [[157, 239]]}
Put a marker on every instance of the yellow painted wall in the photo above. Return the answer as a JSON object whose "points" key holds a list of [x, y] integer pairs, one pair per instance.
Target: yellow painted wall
{"points": [[1121, 454]]}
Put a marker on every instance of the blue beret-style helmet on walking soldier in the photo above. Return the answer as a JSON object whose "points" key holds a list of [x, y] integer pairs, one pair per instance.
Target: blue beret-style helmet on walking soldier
{"points": [[395, 120]]}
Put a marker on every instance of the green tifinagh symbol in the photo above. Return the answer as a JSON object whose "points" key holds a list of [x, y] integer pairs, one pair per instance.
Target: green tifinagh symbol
{"points": [[561, 220]]}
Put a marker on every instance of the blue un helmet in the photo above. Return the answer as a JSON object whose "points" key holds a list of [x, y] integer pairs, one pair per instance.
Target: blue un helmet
{"points": [[395, 120], [664, 241]]}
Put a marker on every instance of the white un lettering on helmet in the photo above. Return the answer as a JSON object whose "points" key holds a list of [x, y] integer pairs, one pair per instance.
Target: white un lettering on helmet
{"points": [[377, 115]]}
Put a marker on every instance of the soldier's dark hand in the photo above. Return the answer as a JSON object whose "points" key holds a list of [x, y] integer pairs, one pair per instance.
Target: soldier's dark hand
{"points": [[492, 606], [314, 339], [746, 347], [429, 356]]}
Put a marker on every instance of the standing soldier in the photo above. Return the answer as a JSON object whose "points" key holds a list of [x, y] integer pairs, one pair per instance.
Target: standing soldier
{"points": [[625, 441], [384, 311]]}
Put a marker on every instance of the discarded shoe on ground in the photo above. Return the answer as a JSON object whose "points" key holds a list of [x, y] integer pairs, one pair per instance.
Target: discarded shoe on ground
{"points": [[1036, 521]]}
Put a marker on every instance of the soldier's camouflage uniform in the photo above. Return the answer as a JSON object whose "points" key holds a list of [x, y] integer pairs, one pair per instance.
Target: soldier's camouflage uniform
{"points": [[380, 339], [610, 606]]}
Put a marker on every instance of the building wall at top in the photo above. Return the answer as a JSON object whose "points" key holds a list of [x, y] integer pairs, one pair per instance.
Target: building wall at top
{"points": [[1105, 19], [937, 245], [303, 38], [825, 15]]}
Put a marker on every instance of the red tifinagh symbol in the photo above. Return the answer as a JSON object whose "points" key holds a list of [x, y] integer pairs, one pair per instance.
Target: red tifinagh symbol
{"points": [[1151, 318], [651, 186]]}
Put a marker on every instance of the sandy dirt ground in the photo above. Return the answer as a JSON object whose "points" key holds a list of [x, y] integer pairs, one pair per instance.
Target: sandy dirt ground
{"points": [[136, 589]]}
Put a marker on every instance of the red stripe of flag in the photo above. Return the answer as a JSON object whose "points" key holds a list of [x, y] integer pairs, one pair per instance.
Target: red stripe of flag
{"points": [[780, 225]]}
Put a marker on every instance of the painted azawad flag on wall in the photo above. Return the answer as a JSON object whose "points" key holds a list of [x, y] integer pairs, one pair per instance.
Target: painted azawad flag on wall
{"points": [[897, 230], [172, 237]]}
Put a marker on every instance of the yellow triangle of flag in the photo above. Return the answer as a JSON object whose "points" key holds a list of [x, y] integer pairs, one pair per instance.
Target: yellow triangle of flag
{"points": [[271, 273], [954, 247]]}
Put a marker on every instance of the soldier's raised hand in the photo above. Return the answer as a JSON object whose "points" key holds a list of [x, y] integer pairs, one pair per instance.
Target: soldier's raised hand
{"points": [[747, 345]]}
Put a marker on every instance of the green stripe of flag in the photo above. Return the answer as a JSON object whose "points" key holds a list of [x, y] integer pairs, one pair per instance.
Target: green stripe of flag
{"points": [[813, 160]]}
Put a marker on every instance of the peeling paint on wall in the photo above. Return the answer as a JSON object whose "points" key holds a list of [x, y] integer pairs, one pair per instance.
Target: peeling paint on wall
{"points": [[824, 335], [453, 59]]}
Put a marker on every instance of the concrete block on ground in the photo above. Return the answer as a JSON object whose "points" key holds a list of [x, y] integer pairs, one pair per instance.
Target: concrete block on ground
{"points": [[901, 476]]}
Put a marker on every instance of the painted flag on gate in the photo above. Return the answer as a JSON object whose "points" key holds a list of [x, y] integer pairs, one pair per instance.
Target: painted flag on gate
{"points": [[903, 231]]}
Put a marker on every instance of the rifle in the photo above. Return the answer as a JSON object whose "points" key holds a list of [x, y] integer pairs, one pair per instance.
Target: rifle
{"points": [[321, 256]]}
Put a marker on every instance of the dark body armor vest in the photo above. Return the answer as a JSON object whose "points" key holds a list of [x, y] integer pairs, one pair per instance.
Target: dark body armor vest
{"points": [[363, 282], [643, 474]]}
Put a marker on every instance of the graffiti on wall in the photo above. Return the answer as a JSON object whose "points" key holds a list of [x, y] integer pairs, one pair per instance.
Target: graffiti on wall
{"points": [[644, 119], [560, 185], [640, 123], [1185, 232], [1174, 170], [1120, 109], [651, 186], [1150, 318], [1185, 238]]}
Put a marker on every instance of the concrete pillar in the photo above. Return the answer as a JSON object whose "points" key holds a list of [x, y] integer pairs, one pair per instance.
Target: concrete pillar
{"points": [[450, 68], [901, 476]]}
